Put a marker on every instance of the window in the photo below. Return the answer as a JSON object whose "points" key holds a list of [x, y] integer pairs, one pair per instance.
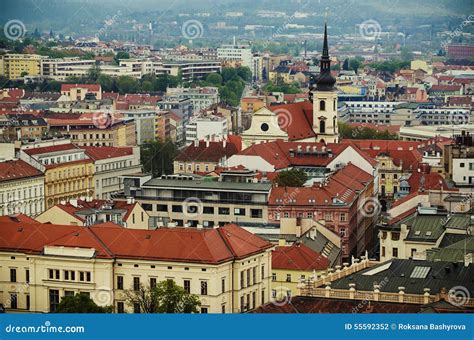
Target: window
{"points": [[208, 210], [120, 307], [28, 302], [256, 213], [239, 211], [263, 271], [254, 275], [248, 277], [223, 285], [420, 272], [68, 293], [263, 296], [203, 287], [152, 282], [342, 217], [12, 275], [322, 105], [27, 275], [274, 276], [242, 279], [224, 211], [288, 277], [462, 165], [53, 300], [395, 252], [254, 299], [13, 301], [342, 232], [204, 310], [223, 309], [274, 293], [54, 274], [187, 286], [322, 126], [120, 282], [413, 252], [264, 127], [383, 251], [136, 283], [136, 308], [395, 236]]}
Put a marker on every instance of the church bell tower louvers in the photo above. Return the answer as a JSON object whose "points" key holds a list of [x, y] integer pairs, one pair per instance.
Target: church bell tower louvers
{"points": [[324, 97]]}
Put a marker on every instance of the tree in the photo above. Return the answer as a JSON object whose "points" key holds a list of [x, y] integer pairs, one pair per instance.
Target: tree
{"points": [[345, 65], [81, 303], [244, 72], [126, 84], [291, 178], [93, 73], [228, 73], [214, 79], [106, 82], [157, 157], [165, 297], [121, 55]]}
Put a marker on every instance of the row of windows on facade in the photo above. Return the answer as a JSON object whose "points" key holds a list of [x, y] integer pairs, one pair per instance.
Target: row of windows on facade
{"points": [[137, 308], [62, 159], [55, 274], [65, 174], [288, 277], [327, 216], [136, 285], [190, 167], [395, 252], [248, 277], [14, 195], [254, 213], [69, 186], [30, 208]]}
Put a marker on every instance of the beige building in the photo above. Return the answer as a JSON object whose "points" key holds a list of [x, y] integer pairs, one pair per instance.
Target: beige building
{"points": [[15, 66], [227, 268], [21, 188], [128, 214]]}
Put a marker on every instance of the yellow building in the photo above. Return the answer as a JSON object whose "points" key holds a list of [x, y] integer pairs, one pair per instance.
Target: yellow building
{"points": [[252, 104], [290, 265], [52, 261], [15, 66], [69, 173]]}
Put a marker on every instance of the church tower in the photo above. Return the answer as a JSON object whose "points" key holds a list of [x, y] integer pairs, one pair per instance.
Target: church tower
{"points": [[324, 97]]}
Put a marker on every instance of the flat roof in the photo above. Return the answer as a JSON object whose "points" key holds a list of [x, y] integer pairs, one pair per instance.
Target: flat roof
{"points": [[207, 185]]}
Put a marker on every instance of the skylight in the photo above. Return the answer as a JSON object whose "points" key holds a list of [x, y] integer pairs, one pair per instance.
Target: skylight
{"points": [[420, 272], [377, 270]]}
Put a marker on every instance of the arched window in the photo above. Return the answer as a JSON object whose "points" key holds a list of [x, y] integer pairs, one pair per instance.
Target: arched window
{"points": [[322, 105], [322, 126]]}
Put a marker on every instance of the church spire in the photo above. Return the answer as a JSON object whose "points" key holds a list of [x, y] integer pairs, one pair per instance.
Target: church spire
{"points": [[325, 81]]}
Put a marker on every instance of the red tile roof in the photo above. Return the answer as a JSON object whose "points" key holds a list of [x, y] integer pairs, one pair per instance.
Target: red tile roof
{"points": [[403, 153], [393, 129], [49, 149], [427, 181], [297, 119], [298, 257], [207, 153], [18, 218], [89, 87], [96, 204], [16, 169], [105, 152], [445, 88], [343, 186], [211, 246]]}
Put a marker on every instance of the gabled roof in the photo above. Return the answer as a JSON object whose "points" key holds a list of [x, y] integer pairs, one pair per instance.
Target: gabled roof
{"points": [[300, 119], [89, 87], [105, 152], [16, 169], [207, 152], [210, 246], [51, 149], [298, 257]]}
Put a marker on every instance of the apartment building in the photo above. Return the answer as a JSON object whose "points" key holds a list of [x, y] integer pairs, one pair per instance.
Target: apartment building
{"points": [[458, 160], [96, 129], [374, 112], [16, 66], [68, 172], [192, 201], [61, 68], [111, 163], [228, 268], [21, 188], [236, 53], [201, 97], [206, 127]]}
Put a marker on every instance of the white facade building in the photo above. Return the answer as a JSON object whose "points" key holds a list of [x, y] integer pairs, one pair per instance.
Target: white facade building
{"points": [[211, 127]]}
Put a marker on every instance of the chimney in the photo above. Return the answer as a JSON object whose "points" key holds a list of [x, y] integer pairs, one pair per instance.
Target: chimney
{"points": [[196, 143], [224, 143], [207, 142]]}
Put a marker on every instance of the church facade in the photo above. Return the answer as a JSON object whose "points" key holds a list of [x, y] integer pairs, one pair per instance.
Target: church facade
{"points": [[309, 121]]}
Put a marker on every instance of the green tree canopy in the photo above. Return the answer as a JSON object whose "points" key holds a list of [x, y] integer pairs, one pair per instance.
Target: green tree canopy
{"points": [[165, 297], [80, 303], [157, 157], [291, 178]]}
